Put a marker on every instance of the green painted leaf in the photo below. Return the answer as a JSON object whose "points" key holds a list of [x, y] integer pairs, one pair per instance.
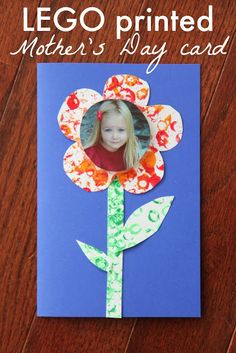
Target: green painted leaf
{"points": [[145, 221], [96, 256]]}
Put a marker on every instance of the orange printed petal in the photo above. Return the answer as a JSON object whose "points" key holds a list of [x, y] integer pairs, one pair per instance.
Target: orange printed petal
{"points": [[127, 87], [152, 112], [66, 130], [162, 138], [165, 126], [149, 173], [127, 176], [83, 172], [154, 179], [72, 101], [142, 93], [143, 182], [148, 161], [100, 177], [114, 82], [131, 80], [73, 109]]}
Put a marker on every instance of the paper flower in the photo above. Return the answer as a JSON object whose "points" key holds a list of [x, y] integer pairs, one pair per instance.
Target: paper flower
{"points": [[165, 128], [165, 133]]}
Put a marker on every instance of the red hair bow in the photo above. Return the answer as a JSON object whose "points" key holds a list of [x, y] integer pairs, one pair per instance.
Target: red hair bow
{"points": [[99, 115]]}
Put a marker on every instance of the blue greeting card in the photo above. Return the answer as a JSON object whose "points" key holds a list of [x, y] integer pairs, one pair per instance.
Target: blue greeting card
{"points": [[118, 190]]}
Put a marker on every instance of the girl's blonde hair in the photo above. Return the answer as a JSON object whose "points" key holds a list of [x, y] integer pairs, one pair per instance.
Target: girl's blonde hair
{"points": [[108, 109]]}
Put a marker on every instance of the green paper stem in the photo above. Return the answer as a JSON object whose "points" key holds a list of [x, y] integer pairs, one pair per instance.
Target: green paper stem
{"points": [[140, 225], [115, 227]]}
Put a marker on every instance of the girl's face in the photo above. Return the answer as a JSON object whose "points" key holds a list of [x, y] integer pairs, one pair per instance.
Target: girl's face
{"points": [[114, 132]]}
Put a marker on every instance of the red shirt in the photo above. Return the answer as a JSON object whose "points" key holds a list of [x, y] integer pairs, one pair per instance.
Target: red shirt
{"points": [[112, 161]]}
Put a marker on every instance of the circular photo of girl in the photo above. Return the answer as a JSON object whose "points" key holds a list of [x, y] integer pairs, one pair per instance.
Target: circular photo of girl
{"points": [[114, 134]]}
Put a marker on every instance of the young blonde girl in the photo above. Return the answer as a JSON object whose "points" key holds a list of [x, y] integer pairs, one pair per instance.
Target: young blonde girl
{"points": [[113, 144]]}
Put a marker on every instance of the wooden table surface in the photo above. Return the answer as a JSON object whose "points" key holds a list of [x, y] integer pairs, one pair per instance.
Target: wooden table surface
{"points": [[20, 329]]}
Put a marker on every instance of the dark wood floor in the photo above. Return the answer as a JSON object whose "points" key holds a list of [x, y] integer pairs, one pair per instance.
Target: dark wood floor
{"points": [[20, 329]]}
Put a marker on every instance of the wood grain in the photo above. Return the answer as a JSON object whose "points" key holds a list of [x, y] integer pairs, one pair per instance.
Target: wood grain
{"points": [[85, 335], [20, 329], [11, 30]]}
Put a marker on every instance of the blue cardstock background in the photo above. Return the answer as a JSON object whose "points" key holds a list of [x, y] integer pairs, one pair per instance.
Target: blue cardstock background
{"points": [[162, 274]]}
